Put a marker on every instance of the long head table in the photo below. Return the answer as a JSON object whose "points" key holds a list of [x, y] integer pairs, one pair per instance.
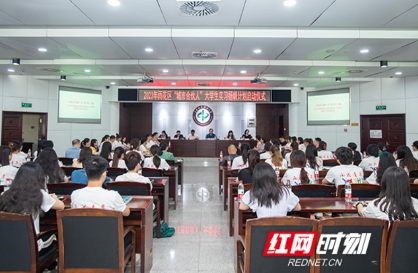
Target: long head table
{"points": [[204, 148]]}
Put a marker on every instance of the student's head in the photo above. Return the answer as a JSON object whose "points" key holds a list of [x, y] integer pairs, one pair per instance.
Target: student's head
{"points": [[276, 155], [245, 148], [275, 141], [307, 141], [294, 139], [246, 132], [281, 138], [156, 152], [163, 146], [119, 137], [396, 195], [298, 160], [344, 156], [83, 153], [352, 146], [407, 158], [76, 143], [40, 144], [124, 139], [85, 143], [211, 131], [133, 161], [253, 160], [148, 137], [15, 145], [106, 150], [105, 138], [373, 150], [265, 189], [95, 167], [267, 146], [24, 195], [192, 132], [382, 147], [135, 143], [263, 140], [230, 133], [178, 132], [299, 140], [415, 146], [94, 143], [48, 160], [311, 154], [385, 161], [317, 141], [48, 144], [288, 139], [112, 138], [119, 154], [232, 150], [294, 146], [5, 155], [154, 136], [322, 146], [258, 138]]}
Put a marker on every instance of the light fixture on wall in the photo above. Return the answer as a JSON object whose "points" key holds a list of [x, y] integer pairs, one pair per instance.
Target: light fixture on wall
{"points": [[383, 63], [63, 78], [338, 79], [16, 61]]}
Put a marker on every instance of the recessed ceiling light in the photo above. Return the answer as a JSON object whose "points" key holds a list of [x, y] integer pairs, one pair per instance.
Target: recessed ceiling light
{"points": [[235, 83], [87, 70], [243, 71], [112, 83], [364, 51], [173, 83], [296, 84], [165, 71], [42, 49], [289, 3], [113, 3], [11, 70], [148, 49], [321, 72], [257, 51], [398, 73]]}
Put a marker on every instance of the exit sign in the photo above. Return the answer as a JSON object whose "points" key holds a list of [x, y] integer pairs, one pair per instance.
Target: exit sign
{"points": [[381, 107], [26, 105]]}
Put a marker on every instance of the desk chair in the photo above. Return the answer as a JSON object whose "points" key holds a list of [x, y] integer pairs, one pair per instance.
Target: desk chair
{"points": [[69, 170], [1, 188], [149, 172], [313, 190], [357, 162], [170, 162], [66, 161], [330, 163], [251, 247], [130, 188], [19, 246], [323, 173], [402, 247], [263, 160], [413, 174], [414, 190], [115, 172], [366, 174], [64, 188], [84, 232], [360, 190]]}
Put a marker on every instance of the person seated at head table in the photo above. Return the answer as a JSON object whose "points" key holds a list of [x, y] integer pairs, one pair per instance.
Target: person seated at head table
{"points": [[78, 163], [346, 172], [79, 176], [405, 159], [232, 154], [73, 152], [230, 135], [48, 160], [276, 159], [164, 135], [118, 160], [246, 175], [394, 202], [193, 135], [371, 161], [165, 154], [267, 198], [246, 135], [312, 158], [133, 164], [7, 171], [353, 147], [299, 174], [415, 149], [282, 141], [300, 143], [267, 154], [155, 162], [211, 135], [94, 196], [385, 161], [154, 139], [323, 153], [178, 135], [316, 142], [17, 158], [136, 143]]}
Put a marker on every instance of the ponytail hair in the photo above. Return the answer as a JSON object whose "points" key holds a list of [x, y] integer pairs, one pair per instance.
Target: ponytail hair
{"points": [[119, 151], [277, 157], [245, 147], [104, 138], [156, 152], [84, 142], [15, 145], [294, 145], [253, 160], [119, 136], [132, 159], [311, 155], [298, 160]]}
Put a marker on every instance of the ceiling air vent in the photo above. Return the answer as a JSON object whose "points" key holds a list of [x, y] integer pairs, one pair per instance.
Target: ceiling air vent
{"points": [[49, 69], [204, 55], [353, 71], [198, 8]]}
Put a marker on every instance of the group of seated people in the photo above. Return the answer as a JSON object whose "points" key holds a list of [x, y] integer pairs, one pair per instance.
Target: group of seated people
{"points": [[209, 136]]}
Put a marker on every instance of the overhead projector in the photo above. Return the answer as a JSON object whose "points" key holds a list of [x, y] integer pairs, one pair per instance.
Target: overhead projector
{"points": [[145, 79], [258, 80]]}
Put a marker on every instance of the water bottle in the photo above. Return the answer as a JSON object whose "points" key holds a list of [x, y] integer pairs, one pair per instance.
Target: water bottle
{"points": [[169, 144], [406, 170], [277, 170], [288, 184], [8, 182], [240, 191], [229, 163], [221, 156], [30, 153], [316, 174], [239, 145], [364, 154], [140, 170], [347, 191], [394, 154]]}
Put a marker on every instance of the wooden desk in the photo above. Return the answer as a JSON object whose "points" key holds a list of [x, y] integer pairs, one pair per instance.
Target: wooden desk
{"points": [[173, 179], [220, 176], [160, 188], [226, 175], [179, 165], [204, 148], [141, 218], [232, 193]]}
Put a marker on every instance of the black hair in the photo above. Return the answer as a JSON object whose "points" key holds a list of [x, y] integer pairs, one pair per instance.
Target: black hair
{"points": [[253, 160], [135, 143], [164, 132], [210, 129], [112, 137], [344, 155], [95, 166], [163, 145], [356, 154], [143, 140], [267, 146], [322, 145], [298, 160], [275, 141], [178, 131], [352, 146], [264, 140], [395, 195], [281, 136], [415, 144], [154, 134], [15, 145], [75, 141], [93, 141], [117, 154], [318, 139], [119, 136], [382, 146], [246, 131], [24, 195], [156, 152], [300, 140], [386, 160], [48, 160], [311, 155], [192, 131], [245, 148], [406, 157], [40, 144], [294, 139], [258, 137], [265, 189], [308, 140], [48, 144], [294, 146], [373, 150], [132, 159], [106, 150], [85, 151], [84, 142], [5, 152], [104, 138]]}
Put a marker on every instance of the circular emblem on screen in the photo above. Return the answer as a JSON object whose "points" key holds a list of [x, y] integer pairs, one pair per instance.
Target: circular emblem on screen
{"points": [[202, 115]]}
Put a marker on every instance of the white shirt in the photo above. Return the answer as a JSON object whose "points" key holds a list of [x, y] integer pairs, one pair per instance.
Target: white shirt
{"points": [[97, 197], [288, 145], [373, 211], [142, 148], [238, 163], [47, 203], [415, 154], [134, 177], [7, 172], [372, 178], [318, 161], [121, 164], [287, 157], [190, 136], [287, 203], [265, 155], [148, 163], [294, 176], [302, 147], [281, 167], [142, 156], [339, 174], [369, 163], [18, 160], [325, 155], [151, 143], [116, 144]]}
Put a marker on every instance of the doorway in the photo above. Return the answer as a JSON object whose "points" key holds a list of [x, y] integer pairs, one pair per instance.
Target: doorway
{"points": [[25, 127], [389, 129]]}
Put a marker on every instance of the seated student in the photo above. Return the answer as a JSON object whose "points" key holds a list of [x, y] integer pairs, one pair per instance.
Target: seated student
{"points": [[293, 147], [386, 161], [288, 142], [382, 148], [267, 197], [106, 138], [299, 174], [118, 160], [85, 143], [164, 135], [155, 162], [316, 142], [165, 154], [117, 142], [78, 163], [276, 159], [246, 175], [211, 135], [28, 194], [45, 144], [193, 135], [136, 147], [404, 158], [93, 146], [356, 154], [415, 149], [106, 151], [371, 161], [323, 153], [17, 159], [148, 143], [275, 141], [232, 154], [7, 171], [112, 140], [79, 176], [258, 146], [263, 141], [48, 160], [246, 135], [94, 196], [282, 141], [230, 135], [346, 172], [178, 135], [267, 154], [241, 161], [395, 201], [73, 152], [307, 141], [154, 139], [312, 158], [133, 163], [300, 143]]}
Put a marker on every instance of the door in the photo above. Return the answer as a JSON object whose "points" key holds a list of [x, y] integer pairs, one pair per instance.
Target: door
{"points": [[389, 129], [12, 128]]}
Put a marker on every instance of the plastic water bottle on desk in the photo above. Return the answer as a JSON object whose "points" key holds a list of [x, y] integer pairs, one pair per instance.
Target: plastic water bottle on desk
{"points": [[277, 170], [29, 154], [169, 144], [239, 145], [140, 170], [347, 189], [229, 164], [240, 191], [364, 154], [316, 174], [221, 156], [288, 184], [406, 170]]}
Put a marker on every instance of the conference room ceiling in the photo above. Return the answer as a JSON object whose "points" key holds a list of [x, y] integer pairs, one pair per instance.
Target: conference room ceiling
{"points": [[296, 42]]}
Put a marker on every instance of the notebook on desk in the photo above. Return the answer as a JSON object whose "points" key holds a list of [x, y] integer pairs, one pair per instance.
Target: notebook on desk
{"points": [[126, 199]]}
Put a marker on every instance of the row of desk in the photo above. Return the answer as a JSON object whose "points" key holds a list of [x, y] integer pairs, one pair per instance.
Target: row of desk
{"points": [[204, 148]]}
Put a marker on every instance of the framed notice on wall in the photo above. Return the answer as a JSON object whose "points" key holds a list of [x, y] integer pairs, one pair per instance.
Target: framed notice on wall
{"points": [[251, 122], [375, 133]]}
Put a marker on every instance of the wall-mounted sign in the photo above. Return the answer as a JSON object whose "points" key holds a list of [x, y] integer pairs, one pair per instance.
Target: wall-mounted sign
{"points": [[26, 105], [354, 124], [375, 133], [381, 107], [202, 115], [251, 122], [205, 95]]}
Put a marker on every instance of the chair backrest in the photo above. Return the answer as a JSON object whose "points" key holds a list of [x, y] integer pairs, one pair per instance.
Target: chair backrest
{"points": [[367, 174], [90, 239], [18, 247], [66, 161], [149, 172], [64, 188], [1, 188], [330, 162], [413, 174], [402, 247], [69, 170], [314, 190], [170, 162], [263, 160], [256, 236], [360, 190], [130, 188], [414, 190], [357, 162], [360, 234], [115, 172], [323, 173]]}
